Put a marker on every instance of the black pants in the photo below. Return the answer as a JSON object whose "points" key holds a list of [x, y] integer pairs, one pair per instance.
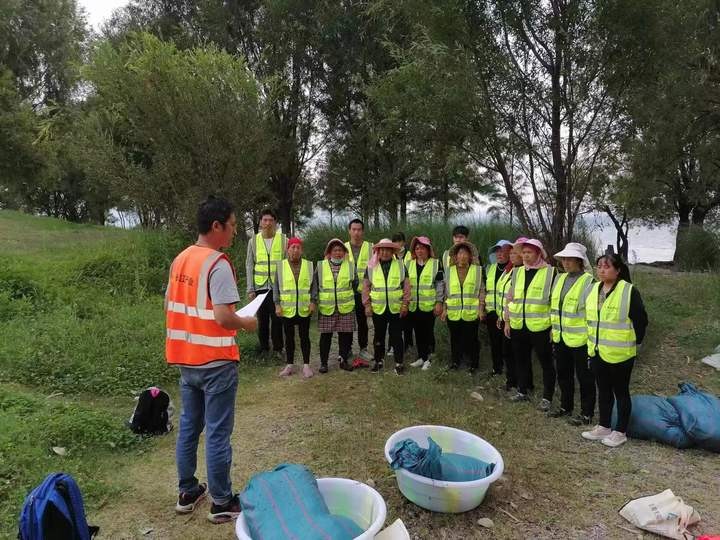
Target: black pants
{"points": [[524, 342], [464, 342], [571, 361], [303, 324], [407, 333], [423, 323], [388, 323], [509, 361], [362, 325], [344, 344], [613, 382], [269, 323], [496, 338]]}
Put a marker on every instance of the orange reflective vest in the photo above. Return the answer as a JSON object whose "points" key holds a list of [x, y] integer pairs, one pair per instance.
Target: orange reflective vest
{"points": [[193, 337]]}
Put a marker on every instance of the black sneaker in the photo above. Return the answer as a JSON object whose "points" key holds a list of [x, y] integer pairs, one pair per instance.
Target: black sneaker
{"points": [[399, 369], [344, 365], [226, 512], [454, 367], [580, 420], [472, 370], [323, 368], [188, 500], [377, 367], [558, 413], [519, 397]]}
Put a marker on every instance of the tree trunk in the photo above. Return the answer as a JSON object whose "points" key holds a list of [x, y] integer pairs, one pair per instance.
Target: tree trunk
{"points": [[403, 201], [683, 227]]}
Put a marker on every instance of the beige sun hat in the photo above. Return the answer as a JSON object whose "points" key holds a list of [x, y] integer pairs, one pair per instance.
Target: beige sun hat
{"points": [[576, 250]]}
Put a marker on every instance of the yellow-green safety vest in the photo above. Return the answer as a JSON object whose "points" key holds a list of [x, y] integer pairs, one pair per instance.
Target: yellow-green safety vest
{"points": [[491, 290], [407, 257], [462, 298], [266, 263], [295, 294], [610, 331], [362, 262], [503, 284], [569, 323], [335, 293], [446, 260], [386, 293], [422, 295], [533, 309]]}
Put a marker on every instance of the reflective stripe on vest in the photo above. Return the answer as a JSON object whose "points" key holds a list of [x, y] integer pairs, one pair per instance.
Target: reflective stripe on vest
{"points": [[462, 298], [193, 338], [569, 323], [534, 309], [384, 294], [424, 294], [295, 294], [490, 289], [362, 262], [266, 263], [610, 330], [335, 293], [503, 284]]}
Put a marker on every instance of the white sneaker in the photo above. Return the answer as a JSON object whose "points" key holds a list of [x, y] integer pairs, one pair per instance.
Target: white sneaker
{"points": [[426, 365], [597, 434], [365, 355], [614, 439], [389, 352], [417, 363]]}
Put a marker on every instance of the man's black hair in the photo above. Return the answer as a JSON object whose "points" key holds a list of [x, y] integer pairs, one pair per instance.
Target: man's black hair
{"points": [[356, 220], [211, 210], [268, 212], [461, 229], [398, 237]]}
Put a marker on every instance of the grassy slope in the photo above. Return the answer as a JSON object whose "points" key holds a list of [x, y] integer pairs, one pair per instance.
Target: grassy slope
{"points": [[89, 324]]}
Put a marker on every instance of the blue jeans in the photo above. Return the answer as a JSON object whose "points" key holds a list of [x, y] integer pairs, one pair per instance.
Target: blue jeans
{"points": [[208, 401]]}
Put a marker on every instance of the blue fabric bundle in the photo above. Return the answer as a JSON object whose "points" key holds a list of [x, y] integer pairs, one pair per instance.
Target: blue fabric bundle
{"points": [[689, 419], [432, 463], [286, 503]]}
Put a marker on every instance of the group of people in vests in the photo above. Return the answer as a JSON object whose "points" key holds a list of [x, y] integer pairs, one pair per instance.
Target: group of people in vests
{"points": [[577, 324]]}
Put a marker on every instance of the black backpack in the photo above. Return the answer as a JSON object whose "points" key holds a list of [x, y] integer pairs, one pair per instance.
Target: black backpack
{"points": [[151, 416]]}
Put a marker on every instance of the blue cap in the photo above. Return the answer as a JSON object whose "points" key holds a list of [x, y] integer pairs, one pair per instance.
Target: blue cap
{"points": [[500, 244]]}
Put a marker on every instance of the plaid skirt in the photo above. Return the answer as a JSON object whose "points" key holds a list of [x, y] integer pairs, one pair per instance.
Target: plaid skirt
{"points": [[336, 322]]}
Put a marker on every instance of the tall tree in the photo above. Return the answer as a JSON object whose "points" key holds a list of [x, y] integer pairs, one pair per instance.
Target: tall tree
{"points": [[518, 86], [664, 60], [173, 126]]}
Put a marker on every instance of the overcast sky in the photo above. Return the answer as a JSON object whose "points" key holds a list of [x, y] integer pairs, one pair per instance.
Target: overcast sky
{"points": [[100, 10]]}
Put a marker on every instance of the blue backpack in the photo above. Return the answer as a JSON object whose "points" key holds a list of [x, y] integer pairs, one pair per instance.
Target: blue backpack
{"points": [[54, 510]]}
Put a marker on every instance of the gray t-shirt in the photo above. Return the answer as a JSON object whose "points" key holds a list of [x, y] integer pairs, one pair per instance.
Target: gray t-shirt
{"points": [[223, 290]]}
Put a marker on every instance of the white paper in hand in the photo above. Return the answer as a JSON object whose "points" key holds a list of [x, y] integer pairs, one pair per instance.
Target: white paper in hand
{"points": [[251, 309]]}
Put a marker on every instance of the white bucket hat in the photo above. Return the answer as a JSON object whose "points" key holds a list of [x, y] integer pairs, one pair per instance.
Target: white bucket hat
{"points": [[578, 251]]}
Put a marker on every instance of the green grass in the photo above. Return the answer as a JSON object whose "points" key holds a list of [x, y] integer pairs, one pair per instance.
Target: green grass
{"points": [[82, 330]]}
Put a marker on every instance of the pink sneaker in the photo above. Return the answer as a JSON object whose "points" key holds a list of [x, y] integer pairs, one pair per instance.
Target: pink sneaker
{"points": [[597, 434], [287, 371], [307, 371]]}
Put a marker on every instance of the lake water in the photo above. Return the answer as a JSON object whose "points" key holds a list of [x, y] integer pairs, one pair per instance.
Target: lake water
{"points": [[646, 244]]}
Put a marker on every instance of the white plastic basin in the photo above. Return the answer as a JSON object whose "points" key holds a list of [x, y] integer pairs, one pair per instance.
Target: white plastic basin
{"points": [[344, 497], [436, 495]]}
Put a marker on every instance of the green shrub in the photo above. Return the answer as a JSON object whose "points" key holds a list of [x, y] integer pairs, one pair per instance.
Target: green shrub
{"points": [[698, 249], [483, 234]]}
